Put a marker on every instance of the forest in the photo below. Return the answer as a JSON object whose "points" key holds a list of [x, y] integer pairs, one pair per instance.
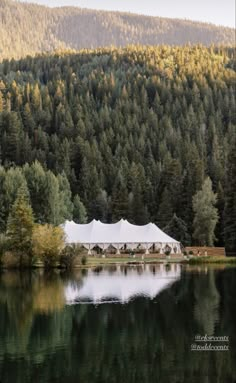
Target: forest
{"points": [[30, 29], [135, 133]]}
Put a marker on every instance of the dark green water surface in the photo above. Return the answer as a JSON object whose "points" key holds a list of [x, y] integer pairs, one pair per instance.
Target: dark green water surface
{"points": [[117, 325]]}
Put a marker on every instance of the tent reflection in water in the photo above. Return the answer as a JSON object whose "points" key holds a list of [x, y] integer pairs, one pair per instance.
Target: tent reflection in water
{"points": [[120, 235]]}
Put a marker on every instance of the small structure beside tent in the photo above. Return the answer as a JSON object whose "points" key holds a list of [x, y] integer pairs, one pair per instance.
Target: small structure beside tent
{"points": [[120, 235]]}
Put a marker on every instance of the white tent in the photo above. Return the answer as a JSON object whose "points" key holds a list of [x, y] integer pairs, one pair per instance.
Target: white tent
{"points": [[118, 235]]}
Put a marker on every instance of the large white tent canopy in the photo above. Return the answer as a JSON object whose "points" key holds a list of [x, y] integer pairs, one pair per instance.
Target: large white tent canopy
{"points": [[119, 235]]}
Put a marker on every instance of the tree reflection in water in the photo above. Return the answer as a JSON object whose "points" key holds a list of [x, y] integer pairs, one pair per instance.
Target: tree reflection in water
{"points": [[43, 339]]}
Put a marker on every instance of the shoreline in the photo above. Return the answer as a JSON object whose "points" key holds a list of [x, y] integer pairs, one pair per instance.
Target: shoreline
{"points": [[152, 261], [119, 261]]}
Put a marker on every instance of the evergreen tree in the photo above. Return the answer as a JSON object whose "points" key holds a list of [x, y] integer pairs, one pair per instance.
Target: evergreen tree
{"points": [[11, 144], [192, 182], [119, 200], [205, 215], [20, 225], [139, 212], [10, 182], [79, 211], [36, 181], [219, 232], [2, 195], [65, 199], [230, 201], [52, 200], [100, 207], [178, 230], [165, 211]]}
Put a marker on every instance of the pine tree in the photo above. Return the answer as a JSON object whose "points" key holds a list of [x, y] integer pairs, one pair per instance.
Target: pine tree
{"points": [[177, 229], [2, 195], [52, 200], [165, 211], [13, 129], [192, 182], [205, 215], [119, 200], [65, 196], [79, 212], [20, 225], [99, 208], [230, 201], [139, 212], [36, 181], [219, 232], [11, 181]]}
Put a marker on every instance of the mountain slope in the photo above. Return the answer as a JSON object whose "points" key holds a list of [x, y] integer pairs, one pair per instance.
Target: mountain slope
{"points": [[135, 130], [29, 29]]}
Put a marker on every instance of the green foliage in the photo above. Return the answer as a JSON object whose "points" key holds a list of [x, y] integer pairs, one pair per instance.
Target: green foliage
{"points": [[138, 211], [4, 245], [50, 196], [70, 255], [177, 229], [132, 132], [206, 215], [47, 242], [100, 207], [84, 260], [79, 211], [35, 177], [120, 200], [230, 200], [65, 199], [20, 226], [10, 182], [12, 260]]}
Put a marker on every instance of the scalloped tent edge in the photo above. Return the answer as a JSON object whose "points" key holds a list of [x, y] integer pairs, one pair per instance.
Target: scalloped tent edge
{"points": [[118, 235]]}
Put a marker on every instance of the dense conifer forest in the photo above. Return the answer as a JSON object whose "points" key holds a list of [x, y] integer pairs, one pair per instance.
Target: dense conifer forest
{"points": [[30, 28], [113, 133]]}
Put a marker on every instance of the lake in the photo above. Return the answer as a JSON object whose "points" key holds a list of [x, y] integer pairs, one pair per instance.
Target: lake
{"points": [[119, 324]]}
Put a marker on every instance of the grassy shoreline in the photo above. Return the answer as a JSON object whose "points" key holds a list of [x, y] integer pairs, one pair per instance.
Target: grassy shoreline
{"points": [[96, 261], [99, 261]]}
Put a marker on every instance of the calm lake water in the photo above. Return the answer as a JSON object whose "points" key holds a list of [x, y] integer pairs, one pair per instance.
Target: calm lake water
{"points": [[117, 325]]}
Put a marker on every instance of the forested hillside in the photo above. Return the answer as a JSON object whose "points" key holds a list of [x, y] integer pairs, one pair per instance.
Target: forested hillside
{"points": [[135, 132], [29, 29]]}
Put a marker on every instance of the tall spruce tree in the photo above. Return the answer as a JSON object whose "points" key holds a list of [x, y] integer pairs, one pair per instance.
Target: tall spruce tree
{"points": [[36, 181], [52, 200], [20, 225], [100, 206], [139, 212], [230, 201], [65, 196], [177, 229], [10, 182], [120, 200], [79, 211], [205, 215]]}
